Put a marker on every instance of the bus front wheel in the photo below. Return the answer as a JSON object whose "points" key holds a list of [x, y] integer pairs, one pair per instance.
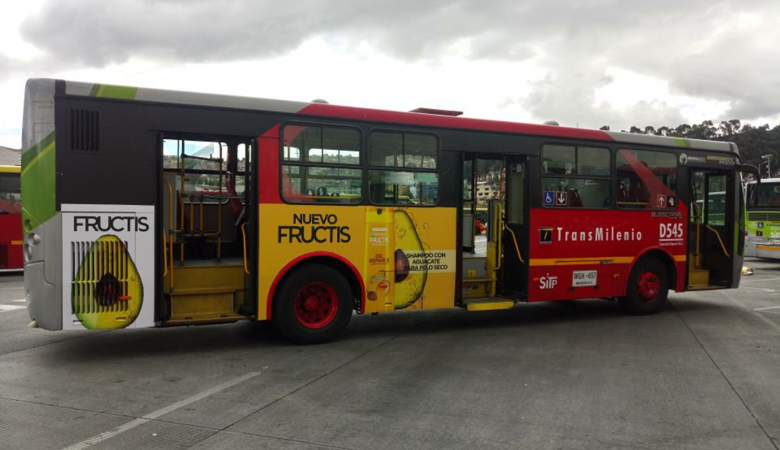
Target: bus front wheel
{"points": [[313, 304], [648, 287]]}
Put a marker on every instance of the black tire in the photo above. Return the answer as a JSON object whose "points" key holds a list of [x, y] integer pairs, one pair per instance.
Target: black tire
{"points": [[313, 304], [648, 287]]}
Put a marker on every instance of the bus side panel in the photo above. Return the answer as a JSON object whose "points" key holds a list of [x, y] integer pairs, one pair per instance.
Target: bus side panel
{"points": [[589, 253]]}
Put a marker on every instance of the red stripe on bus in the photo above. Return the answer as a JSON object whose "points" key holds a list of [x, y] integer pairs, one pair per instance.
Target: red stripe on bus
{"points": [[268, 166], [301, 258], [374, 115]]}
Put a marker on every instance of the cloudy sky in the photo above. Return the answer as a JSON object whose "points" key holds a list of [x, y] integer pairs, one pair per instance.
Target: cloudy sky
{"points": [[583, 63]]}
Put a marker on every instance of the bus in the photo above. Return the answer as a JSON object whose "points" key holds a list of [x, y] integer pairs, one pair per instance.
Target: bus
{"points": [[10, 219], [763, 219], [155, 208]]}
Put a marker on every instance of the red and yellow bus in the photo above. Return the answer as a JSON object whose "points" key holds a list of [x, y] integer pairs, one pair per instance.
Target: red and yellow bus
{"points": [[147, 208], [10, 219]]}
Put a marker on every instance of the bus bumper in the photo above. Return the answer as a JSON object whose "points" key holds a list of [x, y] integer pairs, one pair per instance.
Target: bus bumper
{"points": [[42, 286]]}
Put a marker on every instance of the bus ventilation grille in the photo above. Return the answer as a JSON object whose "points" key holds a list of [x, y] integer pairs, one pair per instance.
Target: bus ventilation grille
{"points": [[3, 256], [84, 132], [100, 277]]}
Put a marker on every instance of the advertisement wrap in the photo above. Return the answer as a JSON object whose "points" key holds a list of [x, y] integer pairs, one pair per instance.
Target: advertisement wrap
{"points": [[108, 266], [405, 257]]}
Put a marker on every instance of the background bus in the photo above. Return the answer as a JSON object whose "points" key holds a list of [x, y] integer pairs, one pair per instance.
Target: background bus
{"points": [[10, 219], [763, 219], [155, 212]]}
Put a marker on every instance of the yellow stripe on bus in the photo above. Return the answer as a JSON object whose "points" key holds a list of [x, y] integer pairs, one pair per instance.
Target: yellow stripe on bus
{"points": [[16, 242], [766, 247], [587, 261], [10, 169]]}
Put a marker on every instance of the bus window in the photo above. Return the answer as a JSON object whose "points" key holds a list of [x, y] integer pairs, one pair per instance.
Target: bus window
{"points": [[393, 150], [646, 180], [10, 194], [576, 177], [403, 188], [321, 165], [763, 195]]}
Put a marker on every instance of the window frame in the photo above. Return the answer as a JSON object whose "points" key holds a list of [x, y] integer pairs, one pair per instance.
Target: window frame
{"points": [[370, 167], [609, 177], [361, 165]]}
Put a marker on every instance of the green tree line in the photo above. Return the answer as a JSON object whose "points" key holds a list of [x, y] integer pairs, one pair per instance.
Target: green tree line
{"points": [[753, 141]]}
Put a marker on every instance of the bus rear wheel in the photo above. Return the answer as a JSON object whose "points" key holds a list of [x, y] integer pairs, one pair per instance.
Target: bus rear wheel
{"points": [[313, 304], [648, 287]]}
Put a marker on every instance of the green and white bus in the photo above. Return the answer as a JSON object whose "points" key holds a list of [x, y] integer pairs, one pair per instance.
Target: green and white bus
{"points": [[763, 219]]}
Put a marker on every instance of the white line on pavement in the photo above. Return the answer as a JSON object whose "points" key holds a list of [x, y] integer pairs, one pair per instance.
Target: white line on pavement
{"points": [[768, 307], [21, 300], [8, 308], [160, 412]]}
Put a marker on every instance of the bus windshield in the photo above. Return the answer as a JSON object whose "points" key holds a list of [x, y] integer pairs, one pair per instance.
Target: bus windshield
{"points": [[10, 194], [764, 195]]}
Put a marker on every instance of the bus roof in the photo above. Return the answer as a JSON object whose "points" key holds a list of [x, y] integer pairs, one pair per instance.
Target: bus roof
{"points": [[364, 114]]}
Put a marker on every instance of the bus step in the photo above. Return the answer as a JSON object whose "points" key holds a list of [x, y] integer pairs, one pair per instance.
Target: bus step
{"points": [[474, 267], [477, 287], [488, 303], [698, 278], [203, 305], [203, 319], [709, 287]]}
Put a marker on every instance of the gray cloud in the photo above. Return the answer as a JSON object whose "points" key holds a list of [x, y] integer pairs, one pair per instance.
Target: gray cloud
{"points": [[695, 45]]}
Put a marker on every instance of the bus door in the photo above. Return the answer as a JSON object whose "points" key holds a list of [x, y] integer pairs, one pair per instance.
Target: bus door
{"points": [[514, 267], [208, 226], [711, 229], [482, 218]]}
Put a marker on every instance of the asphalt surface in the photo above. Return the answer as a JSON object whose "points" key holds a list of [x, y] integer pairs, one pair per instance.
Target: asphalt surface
{"points": [[703, 374]]}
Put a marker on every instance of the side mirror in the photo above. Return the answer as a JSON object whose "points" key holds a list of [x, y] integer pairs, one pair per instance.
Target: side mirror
{"points": [[751, 169]]}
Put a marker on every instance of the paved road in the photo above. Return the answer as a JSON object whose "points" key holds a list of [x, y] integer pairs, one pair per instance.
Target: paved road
{"points": [[703, 374]]}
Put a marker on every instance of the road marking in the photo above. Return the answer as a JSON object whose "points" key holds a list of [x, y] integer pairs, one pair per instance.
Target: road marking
{"points": [[21, 300], [8, 308], [160, 412], [768, 307]]}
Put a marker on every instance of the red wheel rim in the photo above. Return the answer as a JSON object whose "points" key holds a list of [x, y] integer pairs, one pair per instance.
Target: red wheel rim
{"points": [[316, 305], [648, 286]]}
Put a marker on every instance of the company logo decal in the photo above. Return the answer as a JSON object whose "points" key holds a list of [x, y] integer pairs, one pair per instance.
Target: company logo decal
{"points": [[308, 228], [548, 282], [105, 224], [600, 234], [545, 235]]}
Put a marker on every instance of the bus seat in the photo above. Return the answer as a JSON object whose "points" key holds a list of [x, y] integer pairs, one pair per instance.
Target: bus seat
{"points": [[574, 197]]}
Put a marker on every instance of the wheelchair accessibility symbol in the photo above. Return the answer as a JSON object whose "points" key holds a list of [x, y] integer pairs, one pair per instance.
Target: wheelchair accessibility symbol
{"points": [[549, 198]]}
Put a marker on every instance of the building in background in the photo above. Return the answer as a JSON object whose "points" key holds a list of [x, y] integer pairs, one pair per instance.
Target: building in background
{"points": [[10, 156]]}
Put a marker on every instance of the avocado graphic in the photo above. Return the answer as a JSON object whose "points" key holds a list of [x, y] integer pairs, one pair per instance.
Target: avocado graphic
{"points": [[106, 290], [410, 263]]}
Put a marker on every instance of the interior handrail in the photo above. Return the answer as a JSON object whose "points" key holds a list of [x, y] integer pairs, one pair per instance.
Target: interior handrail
{"points": [[722, 245], [243, 233], [170, 203], [165, 254], [514, 240]]}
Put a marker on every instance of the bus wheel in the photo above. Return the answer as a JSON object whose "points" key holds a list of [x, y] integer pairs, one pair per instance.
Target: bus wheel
{"points": [[647, 287], [313, 305]]}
